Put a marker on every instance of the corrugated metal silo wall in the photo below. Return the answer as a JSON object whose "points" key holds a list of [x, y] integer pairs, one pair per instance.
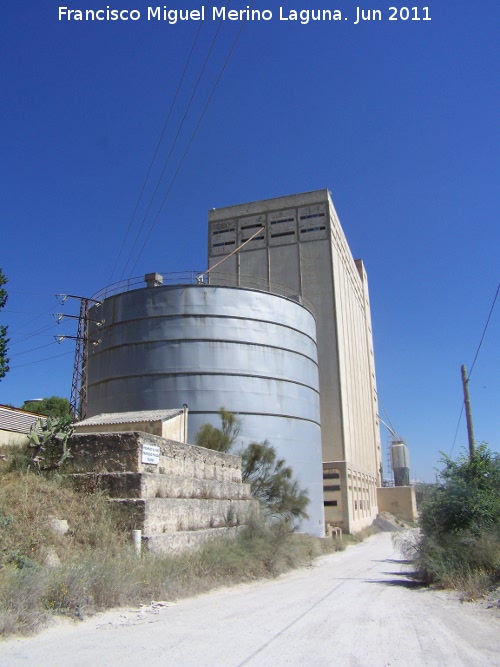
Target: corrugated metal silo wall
{"points": [[252, 352]]}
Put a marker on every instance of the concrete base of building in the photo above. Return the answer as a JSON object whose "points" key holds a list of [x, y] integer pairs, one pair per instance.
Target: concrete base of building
{"points": [[398, 500]]}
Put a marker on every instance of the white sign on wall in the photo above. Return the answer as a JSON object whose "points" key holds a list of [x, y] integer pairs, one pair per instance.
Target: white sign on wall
{"points": [[150, 454]]}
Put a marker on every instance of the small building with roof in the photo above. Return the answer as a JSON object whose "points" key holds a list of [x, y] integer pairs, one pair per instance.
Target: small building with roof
{"points": [[168, 424], [15, 424]]}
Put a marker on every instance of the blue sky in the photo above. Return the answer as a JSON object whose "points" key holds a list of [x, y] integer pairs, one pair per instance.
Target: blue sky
{"points": [[399, 119]]}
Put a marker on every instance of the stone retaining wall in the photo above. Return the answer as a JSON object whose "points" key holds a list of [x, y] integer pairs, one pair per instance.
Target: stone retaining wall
{"points": [[189, 494]]}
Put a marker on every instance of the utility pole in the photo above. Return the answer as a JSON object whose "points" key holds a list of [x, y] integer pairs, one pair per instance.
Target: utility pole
{"points": [[468, 412], [78, 400]]}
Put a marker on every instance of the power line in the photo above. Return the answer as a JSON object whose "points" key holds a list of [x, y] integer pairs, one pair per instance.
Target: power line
{"points": [[156, 150], [174, 143], [33, 319], [35, 333], [485, 328], [456, 431], [191, 139], [474, 361], [39, 361], [32, 349]]}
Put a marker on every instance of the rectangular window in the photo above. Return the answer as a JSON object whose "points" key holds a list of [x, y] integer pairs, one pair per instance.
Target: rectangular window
{"points": [[312, 215], [256, 238], [256, 226], [277, 222], [275, 236], [313, 229], [332, 487], [220, 245], [331, 475], [330, 503]]}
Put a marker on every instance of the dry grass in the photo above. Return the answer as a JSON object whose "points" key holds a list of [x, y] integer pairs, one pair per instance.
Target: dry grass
{"points": [[356, 538], [466, 562], [93, 566]]}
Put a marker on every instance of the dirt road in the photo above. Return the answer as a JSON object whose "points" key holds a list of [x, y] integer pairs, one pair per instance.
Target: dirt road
{"points": [[353, 608]]}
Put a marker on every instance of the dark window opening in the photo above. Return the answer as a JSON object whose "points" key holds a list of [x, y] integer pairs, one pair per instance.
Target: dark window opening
{"points": [[313, 229], [222, 231], [256, 238], [275, 236], [277, 222], [313, 215], [220, 245], [251, 227]]}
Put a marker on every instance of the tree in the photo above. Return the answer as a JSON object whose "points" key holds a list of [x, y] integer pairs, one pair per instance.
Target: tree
{"points": [[4, 360], [55, 406], [220, 439], [272, 482]]}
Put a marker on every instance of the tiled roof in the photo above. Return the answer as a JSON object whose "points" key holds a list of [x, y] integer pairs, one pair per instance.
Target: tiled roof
{"points": [[130, 417]]}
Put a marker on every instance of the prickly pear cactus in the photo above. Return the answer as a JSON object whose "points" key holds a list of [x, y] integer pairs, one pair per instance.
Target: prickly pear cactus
{"points": [[49, 441]]}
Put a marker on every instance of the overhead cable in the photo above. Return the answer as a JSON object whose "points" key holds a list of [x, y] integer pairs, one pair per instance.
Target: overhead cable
{"points": [[179, 85], [39, 361], [485, 328], [35, 333], [18, 354], [191, 140], [474, 361], [174, 143]]}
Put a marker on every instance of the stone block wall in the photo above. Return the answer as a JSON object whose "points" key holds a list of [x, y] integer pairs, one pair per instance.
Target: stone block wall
{"points": [[189, 494]]}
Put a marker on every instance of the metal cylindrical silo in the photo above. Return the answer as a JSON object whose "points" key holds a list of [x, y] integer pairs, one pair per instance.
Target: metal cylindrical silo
{"points": [[209, 346], [400, 460]]}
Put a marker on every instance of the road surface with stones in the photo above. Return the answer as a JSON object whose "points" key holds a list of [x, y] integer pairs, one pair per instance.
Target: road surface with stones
{"points": [[356, 608]]}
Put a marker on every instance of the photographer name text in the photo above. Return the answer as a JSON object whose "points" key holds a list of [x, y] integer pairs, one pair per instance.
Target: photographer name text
{"points": [[173, 16]]}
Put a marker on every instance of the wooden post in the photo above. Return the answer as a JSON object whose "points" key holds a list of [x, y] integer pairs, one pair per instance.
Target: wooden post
{"points": [[468, 412]]}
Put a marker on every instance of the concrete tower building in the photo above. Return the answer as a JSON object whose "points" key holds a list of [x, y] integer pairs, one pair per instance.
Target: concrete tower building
{"points": [[300, 246]]}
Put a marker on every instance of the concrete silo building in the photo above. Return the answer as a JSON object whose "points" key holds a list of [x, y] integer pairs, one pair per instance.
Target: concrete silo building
{"points": [[299, 245]]}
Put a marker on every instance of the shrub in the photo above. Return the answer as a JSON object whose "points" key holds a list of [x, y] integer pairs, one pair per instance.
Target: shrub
{"points": [[459, 543], [271, 480], [220, 439], [467, 496]]}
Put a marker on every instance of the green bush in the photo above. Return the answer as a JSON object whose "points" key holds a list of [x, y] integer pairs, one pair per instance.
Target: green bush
{"points": [[459, 543], [55, 406], [220, 439], [467, 496], [271, 480]]}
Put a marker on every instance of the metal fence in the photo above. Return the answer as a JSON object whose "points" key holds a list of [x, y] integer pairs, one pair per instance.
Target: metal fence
{"points": [[204, 278]]}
